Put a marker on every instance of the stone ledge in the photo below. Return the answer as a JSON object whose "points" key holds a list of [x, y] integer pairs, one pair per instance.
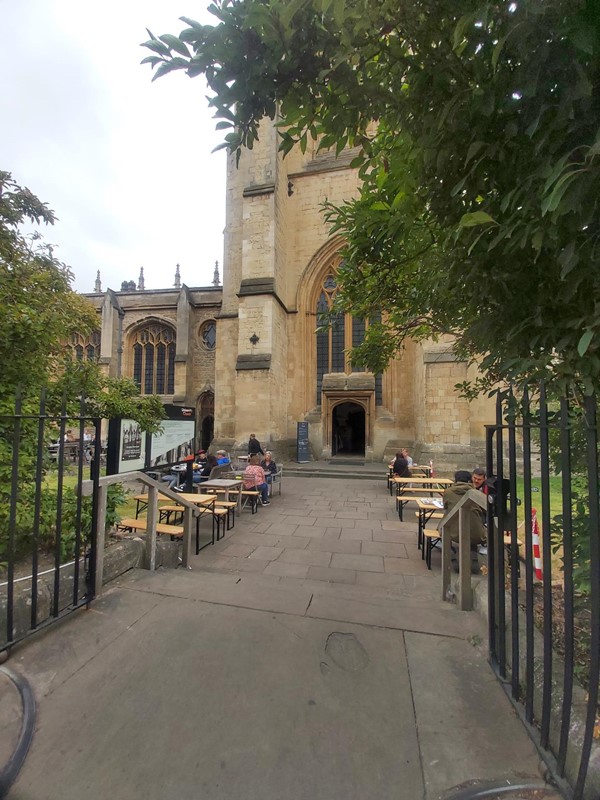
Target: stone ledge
{"points": [[250, 286], [258, 361]]}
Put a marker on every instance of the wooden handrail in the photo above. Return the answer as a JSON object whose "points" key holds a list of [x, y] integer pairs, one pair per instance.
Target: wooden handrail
{"points": [[472, 499], [154, 489]]}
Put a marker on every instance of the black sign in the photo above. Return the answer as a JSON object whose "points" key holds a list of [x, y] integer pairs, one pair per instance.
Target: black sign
{"points": [[302, 445]]}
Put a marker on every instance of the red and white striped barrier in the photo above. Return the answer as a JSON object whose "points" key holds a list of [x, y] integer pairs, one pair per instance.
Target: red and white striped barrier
{"points": [[535, 540]]}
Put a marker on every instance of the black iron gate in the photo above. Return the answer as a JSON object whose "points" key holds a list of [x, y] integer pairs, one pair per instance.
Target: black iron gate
{"points": [[47, 529], [544, 625]]}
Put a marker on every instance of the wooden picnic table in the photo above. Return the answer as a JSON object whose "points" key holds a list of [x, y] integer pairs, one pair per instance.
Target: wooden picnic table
{"points": [[408, 488], [227, 485], [427, 508]]}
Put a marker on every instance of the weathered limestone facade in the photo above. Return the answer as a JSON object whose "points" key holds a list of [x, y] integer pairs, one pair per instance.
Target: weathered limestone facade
{"points": [[184, 314], [277, 255], [268, 371]]}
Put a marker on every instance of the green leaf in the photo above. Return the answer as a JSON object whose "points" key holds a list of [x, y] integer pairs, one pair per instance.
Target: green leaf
{"points": [[174, 43], [476, 218], [585, 342]]}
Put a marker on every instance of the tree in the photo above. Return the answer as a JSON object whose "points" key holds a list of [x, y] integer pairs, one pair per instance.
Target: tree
{"points": [[478, 127], [40, 312]]}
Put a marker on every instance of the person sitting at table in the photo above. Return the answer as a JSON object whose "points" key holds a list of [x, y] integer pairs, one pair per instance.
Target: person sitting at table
{"points": [[452, 495], [254, 478], [269, 466], [201, 457], [202, 474], [404, 452], [172, 480], [401, 466], [254, 447], [222, 457]]}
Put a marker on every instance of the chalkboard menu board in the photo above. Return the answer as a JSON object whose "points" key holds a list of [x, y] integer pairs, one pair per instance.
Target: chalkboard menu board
{"points": [[302, 446]]}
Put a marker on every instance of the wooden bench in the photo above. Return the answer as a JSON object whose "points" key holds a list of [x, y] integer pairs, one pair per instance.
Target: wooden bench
{"points": [[219, 515], [141, 502], [250, 496], [174, 531], [431, 536]]}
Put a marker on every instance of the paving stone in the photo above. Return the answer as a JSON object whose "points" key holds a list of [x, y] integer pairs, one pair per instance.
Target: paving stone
{"points": [[384, 549], [286, 570], [257, 539], [397, 537], [336, 545], [332, 575], [366, 563], [297, 542], [311, 558], [268, 553], [282, 529], [356, 533], [240, 550], [305, 522], [383, 580], [407, 565]]}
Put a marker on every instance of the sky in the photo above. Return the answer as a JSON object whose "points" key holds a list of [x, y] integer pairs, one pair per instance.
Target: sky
{"points": [[125, 164]]}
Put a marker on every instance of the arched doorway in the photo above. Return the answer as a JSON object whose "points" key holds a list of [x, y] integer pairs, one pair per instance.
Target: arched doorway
{"points": [[348, 430], [206, 419]]}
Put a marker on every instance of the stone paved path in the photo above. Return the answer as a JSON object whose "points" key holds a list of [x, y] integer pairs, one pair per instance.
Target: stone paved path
{"points": [[306, 656]]}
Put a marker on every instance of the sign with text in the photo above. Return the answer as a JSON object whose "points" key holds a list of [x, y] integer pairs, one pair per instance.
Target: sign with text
{"points": [[131, 449], [302, 444]]}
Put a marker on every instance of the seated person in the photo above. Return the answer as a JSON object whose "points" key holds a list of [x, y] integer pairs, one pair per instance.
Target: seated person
{"points": [[269, 466], [404, 452], [222, 457], [203, 472], [201, 457], [254, 478], [401, 466], [478, 480], [172, 479], [452, 495]]}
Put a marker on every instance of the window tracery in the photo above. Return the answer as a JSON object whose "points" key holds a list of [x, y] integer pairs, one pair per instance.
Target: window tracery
{"points": [[154, 359]]}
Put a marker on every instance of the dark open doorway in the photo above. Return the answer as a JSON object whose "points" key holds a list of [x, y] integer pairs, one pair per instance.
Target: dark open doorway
{"points": [[348, 430], [206, 418]]}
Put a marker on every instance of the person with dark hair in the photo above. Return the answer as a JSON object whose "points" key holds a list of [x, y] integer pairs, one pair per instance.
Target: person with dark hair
{"points": [[453, 495], [254, 447], [478, 477], [401, 465], [203, 474]]}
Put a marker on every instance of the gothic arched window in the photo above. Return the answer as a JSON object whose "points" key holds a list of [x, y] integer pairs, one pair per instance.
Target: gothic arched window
{"points": [[86, 347], [154, 359], [337, 334]]}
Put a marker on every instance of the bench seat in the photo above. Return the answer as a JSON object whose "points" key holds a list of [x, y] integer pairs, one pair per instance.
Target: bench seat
{"points": [[140, 525]]}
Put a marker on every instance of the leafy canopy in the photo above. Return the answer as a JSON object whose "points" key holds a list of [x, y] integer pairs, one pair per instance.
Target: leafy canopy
{"points": [[477, 125], [40, 311]]}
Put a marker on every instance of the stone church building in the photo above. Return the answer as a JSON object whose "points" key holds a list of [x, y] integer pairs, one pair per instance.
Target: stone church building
{"points": [[247, 356]]}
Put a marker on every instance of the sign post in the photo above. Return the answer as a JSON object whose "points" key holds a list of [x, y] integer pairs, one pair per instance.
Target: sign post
{"points": [[302, 446]]}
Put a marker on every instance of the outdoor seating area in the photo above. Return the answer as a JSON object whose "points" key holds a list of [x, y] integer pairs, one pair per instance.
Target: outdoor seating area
{"points": [[217, 499]]}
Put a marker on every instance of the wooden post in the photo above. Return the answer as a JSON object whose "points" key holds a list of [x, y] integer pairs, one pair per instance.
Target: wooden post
{"points": [[151, 520], [100, 537], [446, 562], [465, 592], [188, 527]]}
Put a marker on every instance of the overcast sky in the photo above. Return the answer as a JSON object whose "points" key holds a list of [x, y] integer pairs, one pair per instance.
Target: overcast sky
{"points": [[125, 164]]}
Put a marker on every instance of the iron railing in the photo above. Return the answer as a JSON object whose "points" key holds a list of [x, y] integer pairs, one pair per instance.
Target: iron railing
{"points": [[539, 627], [47, 528]]}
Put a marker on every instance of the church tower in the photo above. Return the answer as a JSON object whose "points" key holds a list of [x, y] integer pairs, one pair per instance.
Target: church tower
{"points": [[275, 367]]}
